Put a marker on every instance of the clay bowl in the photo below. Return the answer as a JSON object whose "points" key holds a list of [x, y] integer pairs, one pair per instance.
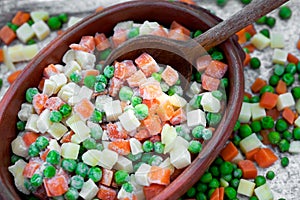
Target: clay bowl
{"points": [[163, 12]]}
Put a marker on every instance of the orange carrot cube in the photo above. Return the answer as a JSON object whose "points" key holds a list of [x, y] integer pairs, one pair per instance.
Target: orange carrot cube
{"points": [[114, 133], [292, 59], [142, 134], [106, 193], [84, 109], [7, 35], [114, 86], [160, 32], [124, 69], [107, 177], [178, 117], [209, 83], [268, 100], [147, 64], [119, 37], [216, 69], [54, 103], [50, 70], [177, 34], [122, 147], [215, 195], [67, 137], [20, 18], [152, 105], [176, 25], [56, 186], [1, 55], [248, 168], [88, 42], [250, 154], [101, 42], [159, 175], [150, 90], [165, 111], [170, 75], [265, 157], [136, 79], [153, 124], [203, 62], [288, 115], [229, 152], [258, 84], [30, 137], [13, 76], [38, 102], [30, 168], [281, 87]]}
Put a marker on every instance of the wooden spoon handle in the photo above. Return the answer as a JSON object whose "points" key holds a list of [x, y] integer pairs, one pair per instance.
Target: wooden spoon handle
{"points": [[244, 17]]}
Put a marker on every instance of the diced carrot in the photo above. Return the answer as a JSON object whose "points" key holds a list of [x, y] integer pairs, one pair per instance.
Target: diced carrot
{"points": [[274, 113], [142, 134], [20, 18], [88, 42], [44, 154], [84, 109], [159, 175], [165, 111], [155, 138], [107, 177], [114, 86], [265, 139], [177, 34], [215, 195], [292, 58], [247, 94], [13, 76], [67, 137], [54, 103], [248, 168], [288, 115], [50, 70], [209, 83], [101, 42], [122, 147], [152, 190], [203, 62], [298, 44], [38, 102], [114, 133], [216, 69], [160, 31], [221, 193], [153, 124], [30, 137], [1, 55], [106, 193], [258, 84], [41, 84], [119, 37], [281, 87], [250, 47], [250, 29], [150, 90], [136, 79], [229, 152], [170, 75], [78, 47], [191, 2], [152, 105], [90, 72], [7, 35], [99, 9], [147, 64], [178, 117], [265, 157], [241, 36], [247, 59], [56, 186], [250, 154], [176, 25], [124, 69], [30, 168], [268, 100]]}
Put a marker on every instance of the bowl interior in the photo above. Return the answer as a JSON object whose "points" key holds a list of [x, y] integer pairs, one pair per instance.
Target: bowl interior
{"points": [[164, 13]]}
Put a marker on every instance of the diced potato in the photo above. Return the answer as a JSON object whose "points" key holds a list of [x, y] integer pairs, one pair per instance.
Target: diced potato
{"points": [[49, 87], [181, 141], [68, 90], [92, 157], [29, 51], [223, 182], [108, 159], [285, 100], [263, 192], [101, 100], [43, 123], [41, 29], [237, 158], [16, 53], [195, 118], [135, 146], [294, 147], [31, 124], [141, 175], [167, 165], [210, 103], [53, 145], [249, 143], [246, 188], [257, 112], [18, 147], [25, 32], [39, 15], [72, 119], [124, 163], [177, 101], [70, 150], [25, 112], [279, 56], [57, 130], [69, 56], [84, 93], [73, 20], [71, 66], [89, 190], [7, 59], [112, 110], [168, 137], [123, 25], [245, 113], [129, 121], [195, 88], [277, 40], [297, 122], [81, 130], [147, 27], [180, 157], [260, 41], [85, 60], [60, 80], [17, 172]]}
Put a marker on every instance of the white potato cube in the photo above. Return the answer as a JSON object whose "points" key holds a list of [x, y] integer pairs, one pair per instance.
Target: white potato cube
{"points": [[124, 163], [73, 20], [25, 112], [257, 112], [39, 15], [29, 51], [141, 175], [71, 66], [279, 56], [17, 171], [19, 147], [72, 119], [25, 32], [285, 100], [297, 122], [129, 121], [245, 113], [60, 80], [294, 147], [81, 130], [49, 87], [84, 92], [70, 150], [210, 103], [57, 130], [135, 146], [92, 157], [89, 190], [85, 60], [249, 143], [260, 41], [168, 137], [16, 53], [43, 122], [147, 27], [180, 157], [31, 124], [195, 88], [277, 40], [53, 145], [195, 118], [7, 59], [123, 25], [166, 164], [177, 100], [112, 110], [237, 158], [101, 100], [41, 29], [181, 141], [246, 188], [108, 159], [263, 192], [67, 91], [122, 194], [69, 56]]}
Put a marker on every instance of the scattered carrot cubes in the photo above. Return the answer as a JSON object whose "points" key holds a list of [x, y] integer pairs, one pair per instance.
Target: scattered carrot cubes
{"points": [[268, 100], [159, 175], [210, 83], [216, 69], [106, 193], [147, 64], [169, 75], [56, 186], [229, 152], [265, 157], [258, 84], [122, 147], [248, 168], [288, 115], [20, 18], [7, 35]]}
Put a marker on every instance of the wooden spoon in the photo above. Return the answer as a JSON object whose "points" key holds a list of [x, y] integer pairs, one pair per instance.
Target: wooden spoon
{"points": [[190, 50]]}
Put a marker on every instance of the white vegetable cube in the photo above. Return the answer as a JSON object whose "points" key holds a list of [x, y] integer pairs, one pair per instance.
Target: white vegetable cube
{"points": [[147, 27], [298, 106], [168, 137], [43, 122], [279, 56], [25, 32], [108, 159], [237, 158], [70, 150], [83, 93], [294, 147], [260, 41], [85, 60], [81, 130], [112, 110], [297, 122], [60, 80], [166, 164], [122, 194], [29, 51], [39, 15], [69, 56], [17, 171], [101, 100], [245, 113], [71, 66], [25, 112], [223, 183], [89, 190], [246, 188], [195, 118], [277, 40], [263, 192], [73, 118], [249, 143], [181, 141], [19, 147], [53, 145], [135, 146], [49, 87], [210, 103], [73, 20], [68, 90], [16, 53], [41, 29], [177, 100], [124, 163], [285, 100], [195, 88], [129, 121], [123, 25], [92, 157], [57, 130], [31, 124], [180, 157], [7, 60], [141, 175], [257, 112]]}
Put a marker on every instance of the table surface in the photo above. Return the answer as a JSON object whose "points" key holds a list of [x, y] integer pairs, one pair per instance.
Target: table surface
{"points": [[287, 180]]}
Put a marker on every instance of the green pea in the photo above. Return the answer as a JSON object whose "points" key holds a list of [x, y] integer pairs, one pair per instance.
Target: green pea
{"points": [[135, 100], [36, 180], [28, 185], [221, 2], [285, 161], [30, 92], [296, 92], [141, 111], [63, 17], [284, 145], [248, 37], [270, 21], [267, 122], [49, 171], [270, 175], [96, 116], [133, 32], [238, 173], [89, 81], [245, 130], [214, 170], [101, 78], [256, 126], [69, 165], [197, 33], [109, 71], [253, 198], [201, 196], [288, 79], [30, 22], [279, 70], [237, 125], [259, 180], [42, 142], [246, 99], [267, 88], [235, 183], [30, 42], [21, 125], [201, 187], [226, 168], [285, 12], [217, 55], [33, 150], [55, 116], [213, 118], [82, 169], [296, 133], [274, 79], [77, 182], [274, 137], [281, 125], [65, 110], [255, 63], [75, 77], [287, 135], [197, 77], [236, 140], [14, 158], [158, 147], [156, 76], [214, 183], [121, 177], [265, 32], [95, 174], [128, 187], [255, 99], [195, 146], [148, 146], [230, 192], [89, 143], [262, 20], [291, 68], [218, 161], [197, 132], [125, 93], [71, 194], [227, 177], [54, 23], [191, 192], [224, 82], [104, 54], [99, 87], [206, 177], [53, 157]]}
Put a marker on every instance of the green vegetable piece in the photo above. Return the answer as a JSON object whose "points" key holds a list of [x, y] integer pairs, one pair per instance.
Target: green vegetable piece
{"points": [[206, 177], [133, 32], [89, 81], [221, 3], [235, 183], [21, 125], [262, 20], [141, 111], [171, 91], [267, 88], [255, 63], [284, 145], [125, 93], [226, 168], [224, 82], [291, 68], [274, 137], [197, 33], [13, 27], [104, 54], [55, 116], [49, 171], [134, 158], [147, 146], [236, 140], [191, 192], [28, 185], [287, 135], [30, 41], [36, 180], [201, 187], [246, 50], [218, 161], [99, 87], [54, 23], [75, 77], [156, 76], [96, 116], [270, 21], [99, 146], [71, 194], [69, 165], [158, 147], [253, 198], [246, 99], [246, 1], [63, 17], [238, 173], [254, 99], [89, 143], [33, 150], [53, 157], [155, 160], [1, 83], [213, 118], [206, 134], [195, 101], [285, 12], [230, 192], [109, 71], [195, 146], [136, 166], [214, 183], [259, 180], [296, 133], [198, 131], [42, 142], [227, 177], [96, 132], [197, 77], [30, 22], [128, 187], [245, 130], [65, 110], [267, 122], [273, 80], [135, 100], [77, 182], [256, 126], [146, 157], [237, 125], [288, 78], [285, 161], [95, 174], [82, 169], [121, 177], [217, 94], [217, 55], [265, 32], [214, 170], [270, 175], [281, 125], [14, 158], [30, 92], [279, 70], [296, 92], [101, 78]]}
